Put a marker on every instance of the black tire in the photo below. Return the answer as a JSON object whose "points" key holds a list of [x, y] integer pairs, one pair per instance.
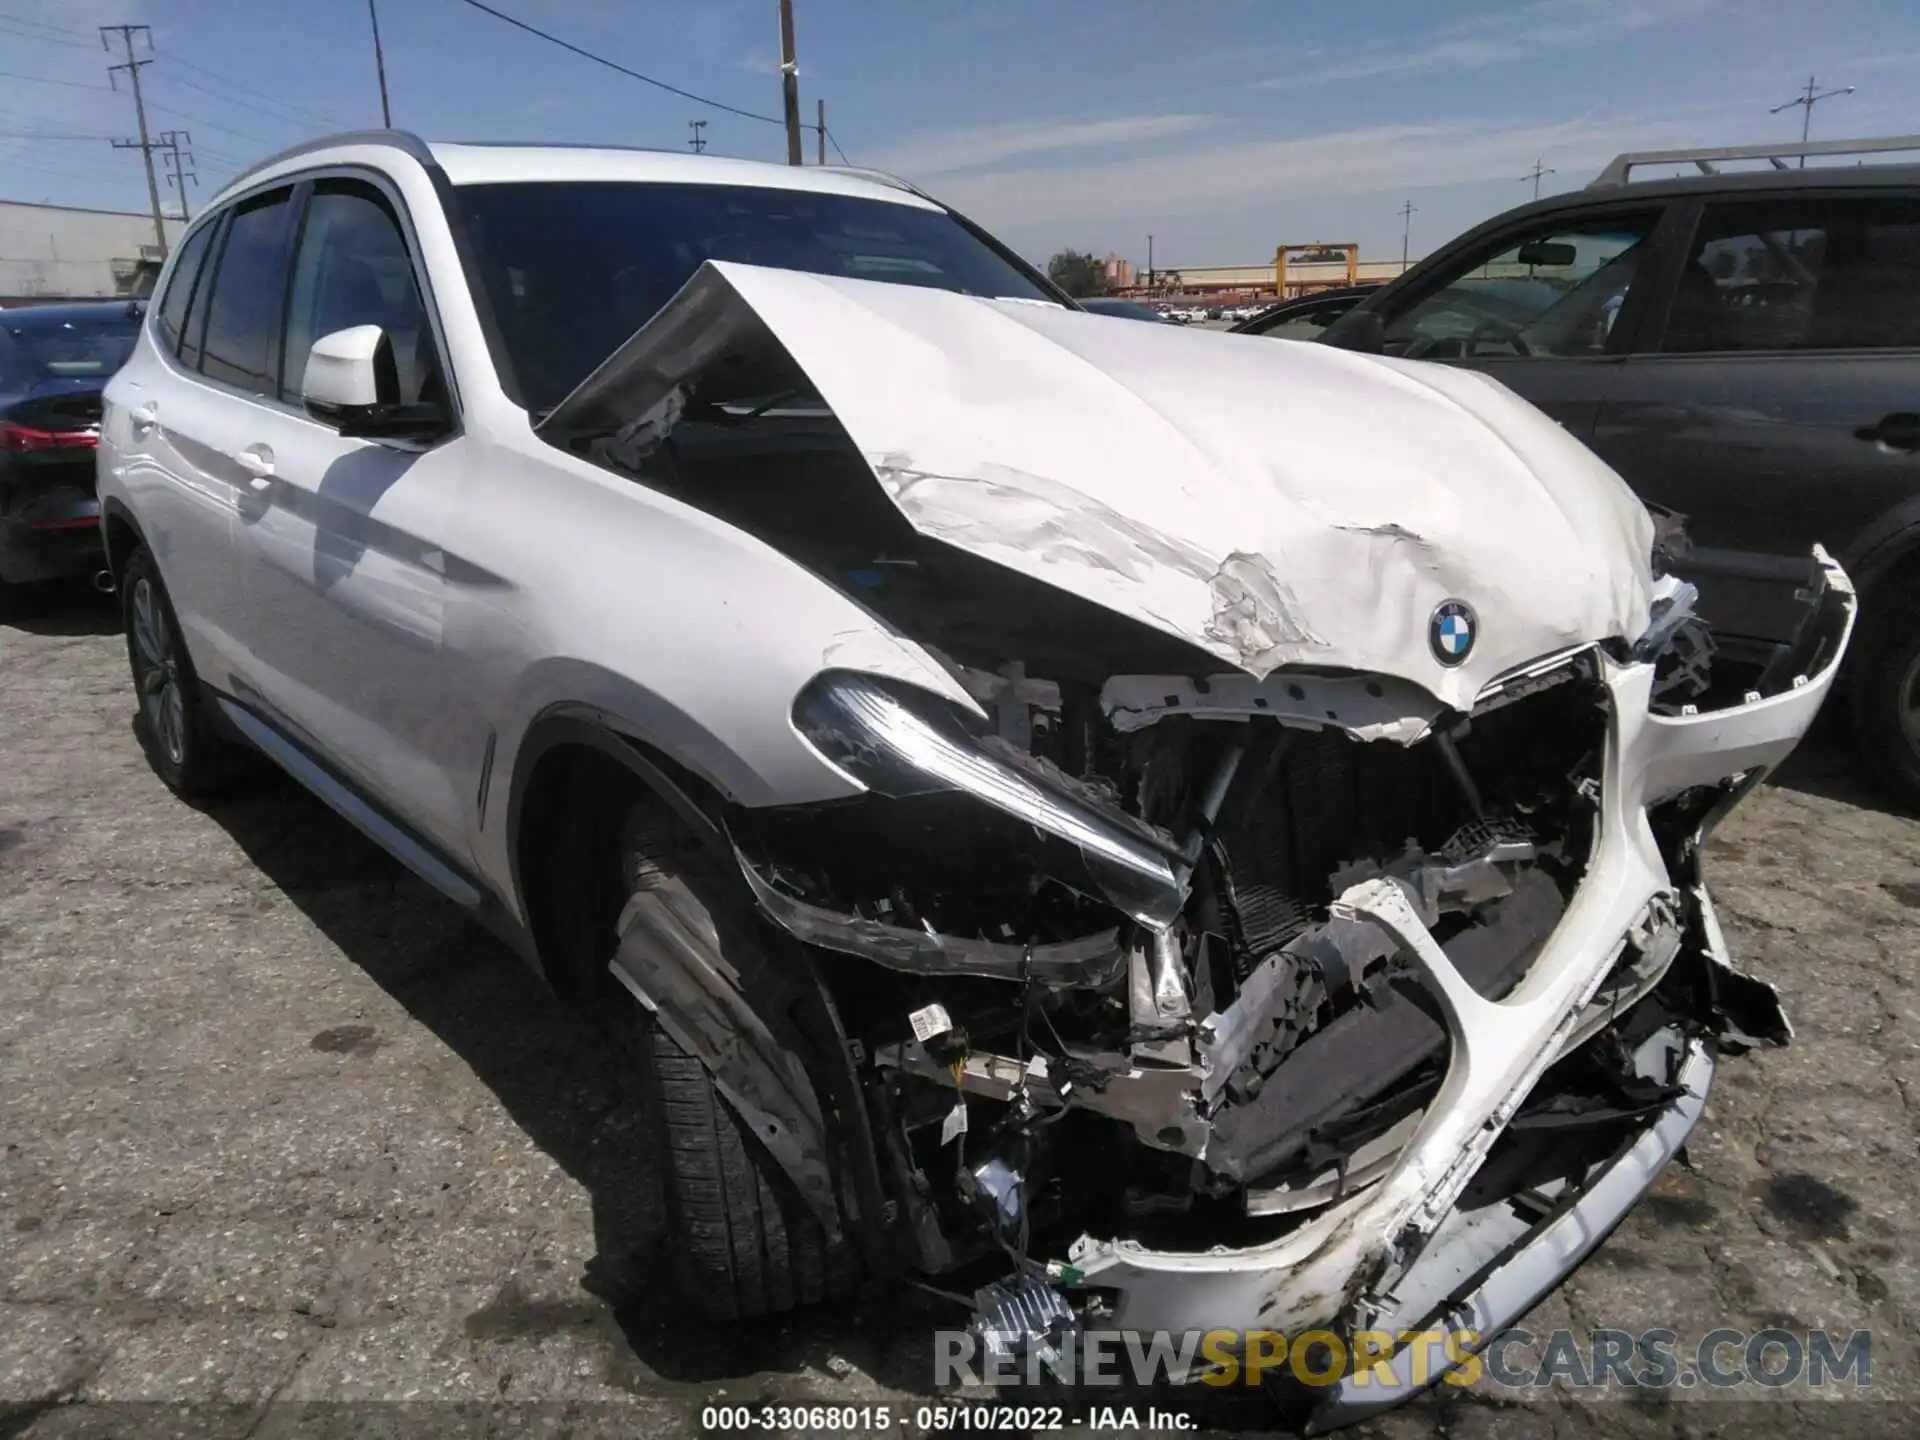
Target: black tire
{"points": [[1886, 689], [171, 718], [741, 1240]]}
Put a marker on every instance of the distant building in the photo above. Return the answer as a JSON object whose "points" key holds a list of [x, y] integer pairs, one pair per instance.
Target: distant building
{"points": [[1232, 283], [1119, 272], [58, 252]]}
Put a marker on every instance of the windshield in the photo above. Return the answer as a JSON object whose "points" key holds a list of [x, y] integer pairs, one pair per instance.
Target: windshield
{"points": [[572, 268], [33, 351]]}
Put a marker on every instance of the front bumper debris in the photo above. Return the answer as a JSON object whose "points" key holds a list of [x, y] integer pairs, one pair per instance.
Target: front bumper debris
{"points": [[1394, 1010], [1358, 1263]]}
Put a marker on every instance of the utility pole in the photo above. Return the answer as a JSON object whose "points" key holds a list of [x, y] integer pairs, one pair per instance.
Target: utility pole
{"points": [[789, 82], [144, 145], [823, 130], [171, 141], [1807, 100], [699, 142], [380, 68], [1149, 262], [1407, 212], [1535, 174]]}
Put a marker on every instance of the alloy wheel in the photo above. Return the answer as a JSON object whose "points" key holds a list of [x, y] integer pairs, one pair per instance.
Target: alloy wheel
{"points": [[162, 699]]}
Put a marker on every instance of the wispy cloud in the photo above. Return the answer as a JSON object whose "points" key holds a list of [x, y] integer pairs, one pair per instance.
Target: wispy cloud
{"points": [[1221, 178], [1481, 41], [944, 153]]}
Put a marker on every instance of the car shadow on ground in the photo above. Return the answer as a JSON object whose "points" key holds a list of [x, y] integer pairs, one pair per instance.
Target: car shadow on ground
{"points": [[63, 607], [1826, 765], [563, 1082]]}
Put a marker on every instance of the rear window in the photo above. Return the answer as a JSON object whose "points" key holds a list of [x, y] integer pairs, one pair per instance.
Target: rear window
{"points": [[572, 268], [173, 304], [91, 348]]}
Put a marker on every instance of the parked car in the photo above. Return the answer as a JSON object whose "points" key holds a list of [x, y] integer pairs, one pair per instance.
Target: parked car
{"points": [[1305, 317], [1121, 309], [988, 761], [1744, 348], [54, 362]]}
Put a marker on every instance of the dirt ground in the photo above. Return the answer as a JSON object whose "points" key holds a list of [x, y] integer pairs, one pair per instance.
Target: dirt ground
{"points": [[290, 1147]]}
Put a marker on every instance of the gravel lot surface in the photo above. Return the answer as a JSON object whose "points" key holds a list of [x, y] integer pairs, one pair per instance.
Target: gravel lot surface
{"points": [[290, 1147]]}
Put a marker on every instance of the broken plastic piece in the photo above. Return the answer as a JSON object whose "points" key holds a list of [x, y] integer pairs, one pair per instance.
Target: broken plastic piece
{"points": [[1021, 1317]]}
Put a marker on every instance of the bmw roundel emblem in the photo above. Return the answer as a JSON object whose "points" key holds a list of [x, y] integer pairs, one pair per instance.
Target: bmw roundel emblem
{"points": [[1451, 632]]}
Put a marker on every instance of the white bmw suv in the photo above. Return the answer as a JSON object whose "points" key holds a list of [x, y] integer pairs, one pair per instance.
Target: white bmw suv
{"points": [[1190, 825]]}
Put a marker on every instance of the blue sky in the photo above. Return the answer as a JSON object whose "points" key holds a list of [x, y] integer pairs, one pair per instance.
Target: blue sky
{"points": [[1219, 126]]}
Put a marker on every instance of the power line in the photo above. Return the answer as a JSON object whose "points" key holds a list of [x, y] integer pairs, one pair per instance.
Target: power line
{"points": [[175, 62], [43, 80], [43, 39], [836, 148], [40, 24], [613, 65], [289, 118], [224, 129]]}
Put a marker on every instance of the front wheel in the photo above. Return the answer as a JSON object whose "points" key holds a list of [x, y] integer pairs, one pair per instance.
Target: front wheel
{"points": [[1886, 689], [742, 1240]]}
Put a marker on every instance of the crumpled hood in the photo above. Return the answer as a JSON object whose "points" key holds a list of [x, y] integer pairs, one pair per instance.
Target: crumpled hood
{"points": [[1274, 503]]}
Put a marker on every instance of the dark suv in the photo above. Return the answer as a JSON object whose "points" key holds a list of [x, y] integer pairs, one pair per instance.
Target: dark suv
{"points": [[1745, 349]]}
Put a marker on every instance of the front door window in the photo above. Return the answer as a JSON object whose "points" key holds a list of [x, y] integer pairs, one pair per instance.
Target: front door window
{"points": [[1557, 293]]}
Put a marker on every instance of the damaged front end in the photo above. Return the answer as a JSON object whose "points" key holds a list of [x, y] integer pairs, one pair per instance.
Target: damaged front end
{"points": [[1288, 995], [1299, 1029]]}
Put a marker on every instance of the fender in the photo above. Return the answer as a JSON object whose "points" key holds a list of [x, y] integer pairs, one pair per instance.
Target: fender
{"points": [[1880, 548], [115, 509]]}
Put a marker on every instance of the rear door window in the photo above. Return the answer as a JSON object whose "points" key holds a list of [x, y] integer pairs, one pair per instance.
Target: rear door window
{"points": [[243, 311], [170, 317], [1812, 273]]}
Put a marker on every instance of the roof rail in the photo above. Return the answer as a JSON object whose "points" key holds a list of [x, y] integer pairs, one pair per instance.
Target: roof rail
{"points": [[1620, 170], [881, 177], [402, 140]]}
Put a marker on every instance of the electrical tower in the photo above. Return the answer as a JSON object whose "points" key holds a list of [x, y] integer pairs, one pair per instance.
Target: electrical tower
{"points": [[178, 172], [699, 142], [145, 144]]}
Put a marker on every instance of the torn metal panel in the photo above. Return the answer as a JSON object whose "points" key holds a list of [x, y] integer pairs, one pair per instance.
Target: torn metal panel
{"points": [[1273, 505]]}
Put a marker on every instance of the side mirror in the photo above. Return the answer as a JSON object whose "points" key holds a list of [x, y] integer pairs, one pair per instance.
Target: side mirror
{"points": [[352, 384], [1363, 330]]}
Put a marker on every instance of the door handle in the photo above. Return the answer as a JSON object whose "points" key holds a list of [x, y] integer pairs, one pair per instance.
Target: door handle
{"points": [[143, 418], [1898, 431], [257, 462]]}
